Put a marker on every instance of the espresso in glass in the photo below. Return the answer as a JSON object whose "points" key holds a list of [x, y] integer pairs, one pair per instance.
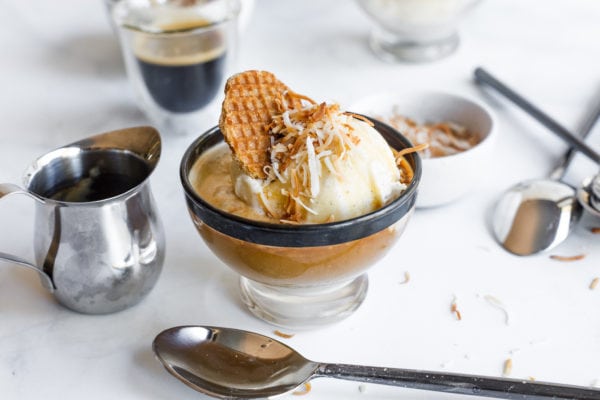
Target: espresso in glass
{"points": [[182, 74], [178, 55]]}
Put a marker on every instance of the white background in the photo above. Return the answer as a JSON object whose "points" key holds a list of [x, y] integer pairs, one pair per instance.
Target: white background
{"points": [[61, 79]]}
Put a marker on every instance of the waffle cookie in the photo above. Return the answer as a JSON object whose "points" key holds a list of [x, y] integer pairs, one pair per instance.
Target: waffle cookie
{"points": [[252, 98]]}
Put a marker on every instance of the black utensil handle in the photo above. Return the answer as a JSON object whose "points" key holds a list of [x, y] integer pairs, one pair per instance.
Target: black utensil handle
{"points": [[482, 76], [458, 383], [584, 130]]}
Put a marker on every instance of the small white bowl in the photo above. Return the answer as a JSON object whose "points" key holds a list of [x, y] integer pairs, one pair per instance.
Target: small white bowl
{"points": [[447, 178]]}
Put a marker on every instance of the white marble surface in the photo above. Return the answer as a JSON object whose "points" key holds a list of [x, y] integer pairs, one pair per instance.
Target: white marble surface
{"points": [[62, 79]]}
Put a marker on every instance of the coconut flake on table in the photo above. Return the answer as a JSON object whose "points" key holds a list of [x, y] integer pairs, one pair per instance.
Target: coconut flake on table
{"points": [[496, 303]]}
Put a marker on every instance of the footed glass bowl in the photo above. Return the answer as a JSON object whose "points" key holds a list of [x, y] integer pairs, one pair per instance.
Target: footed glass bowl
{"points": [[300, 276], [415, 30]]}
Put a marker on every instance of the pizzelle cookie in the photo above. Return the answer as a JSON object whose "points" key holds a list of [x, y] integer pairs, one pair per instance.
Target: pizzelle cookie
{"points": [[252, 99]]}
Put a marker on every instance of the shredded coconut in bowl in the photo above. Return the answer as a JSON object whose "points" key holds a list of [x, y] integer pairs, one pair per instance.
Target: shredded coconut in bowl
{"points": [[444, 138]]}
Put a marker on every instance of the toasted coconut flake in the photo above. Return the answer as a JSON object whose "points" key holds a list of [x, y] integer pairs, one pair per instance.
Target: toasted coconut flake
{"points": [[568, 258], [406, 278], [291, 126], [282, 334], [362, 118], [289, 222], [508, 366], [445, 138], [293, 95], [265, 204], [594, 283], [304, 389], [313, 169], [319, 114], [301, 204], [408, 150], [454, 309]]}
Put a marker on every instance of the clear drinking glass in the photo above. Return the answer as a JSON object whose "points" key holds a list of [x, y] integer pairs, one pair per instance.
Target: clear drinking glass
{"points": [[415, 30], [177, 55]]}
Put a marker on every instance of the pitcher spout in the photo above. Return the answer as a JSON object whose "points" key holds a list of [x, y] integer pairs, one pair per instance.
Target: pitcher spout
{"points": [[143, 141]]}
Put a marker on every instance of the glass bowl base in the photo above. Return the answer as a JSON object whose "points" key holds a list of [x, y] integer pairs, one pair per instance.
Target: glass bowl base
{"points": [[394, 48], [303, 307]]}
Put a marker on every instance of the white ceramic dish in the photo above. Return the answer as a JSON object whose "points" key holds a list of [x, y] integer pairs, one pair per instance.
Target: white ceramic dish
{"points": [[448, 178]]}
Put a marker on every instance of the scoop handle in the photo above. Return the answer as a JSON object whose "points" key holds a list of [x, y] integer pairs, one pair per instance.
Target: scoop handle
{"points": [[482, 76], [474, 385]]}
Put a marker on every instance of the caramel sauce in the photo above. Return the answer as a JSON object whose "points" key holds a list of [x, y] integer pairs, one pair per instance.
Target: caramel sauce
{"points": [[211, 179]]}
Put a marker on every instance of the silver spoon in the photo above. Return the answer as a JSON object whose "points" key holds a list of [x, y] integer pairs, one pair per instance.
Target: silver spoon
{"points": [[589, 195], [537, 215], [234, 364]]}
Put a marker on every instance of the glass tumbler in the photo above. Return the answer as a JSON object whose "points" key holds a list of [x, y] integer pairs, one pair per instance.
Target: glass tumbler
{"points": [[177, 55]]}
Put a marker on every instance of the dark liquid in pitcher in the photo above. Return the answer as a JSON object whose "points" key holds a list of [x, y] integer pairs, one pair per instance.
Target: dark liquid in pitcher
{"points": [[90, 175], [182, 74], [100, 187]]}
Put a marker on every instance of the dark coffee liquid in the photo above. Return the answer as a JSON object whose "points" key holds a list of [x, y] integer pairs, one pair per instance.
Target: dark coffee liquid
{"points": [[182, 72], [92, 188], [183, 88], [89, 175]]}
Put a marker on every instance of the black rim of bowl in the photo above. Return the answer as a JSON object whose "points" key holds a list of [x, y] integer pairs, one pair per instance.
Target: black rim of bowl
{"points": [[303, 235]]}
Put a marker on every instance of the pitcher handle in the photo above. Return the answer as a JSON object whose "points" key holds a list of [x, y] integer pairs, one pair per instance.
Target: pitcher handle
{"points": [[5, 190]]}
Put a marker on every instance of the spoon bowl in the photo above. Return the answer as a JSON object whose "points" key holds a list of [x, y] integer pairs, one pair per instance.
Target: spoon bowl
{"points": [[535, 215], [234, 364], [230, 363]]}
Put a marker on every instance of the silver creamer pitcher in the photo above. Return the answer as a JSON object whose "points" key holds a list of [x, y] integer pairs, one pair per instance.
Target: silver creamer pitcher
{"points": [[98, 241]]}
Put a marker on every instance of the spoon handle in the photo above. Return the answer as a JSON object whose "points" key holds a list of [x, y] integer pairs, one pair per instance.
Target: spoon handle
{"points": [[482, 76], [457, 383], [584, 130]]}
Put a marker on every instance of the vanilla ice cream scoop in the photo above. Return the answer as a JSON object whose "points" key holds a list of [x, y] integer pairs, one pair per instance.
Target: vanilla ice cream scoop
{"points": [[325, 166]]}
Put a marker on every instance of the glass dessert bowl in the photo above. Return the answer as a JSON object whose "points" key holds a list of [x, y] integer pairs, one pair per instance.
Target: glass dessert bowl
{"points": [[300, 275], [415, 30]]}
